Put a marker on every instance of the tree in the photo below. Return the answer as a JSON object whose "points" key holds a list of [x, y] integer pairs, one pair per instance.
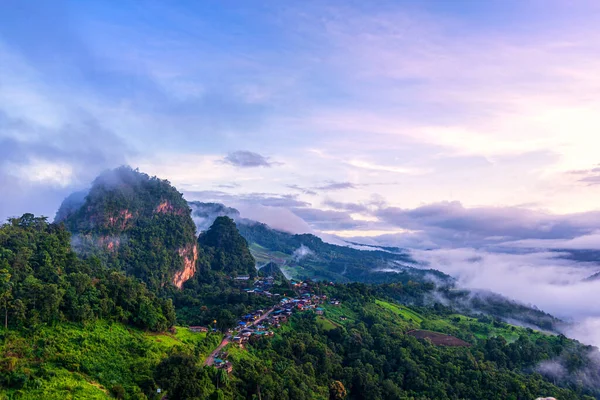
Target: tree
{"points": [[5, 293], [182, 378], [337, 391]]}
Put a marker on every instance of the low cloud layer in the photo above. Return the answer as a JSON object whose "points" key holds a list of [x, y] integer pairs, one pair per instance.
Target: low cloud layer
{"points": [[336, 186], [542, 279]]}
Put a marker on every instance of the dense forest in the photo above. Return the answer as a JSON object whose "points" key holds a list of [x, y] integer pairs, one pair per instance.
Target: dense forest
{"points": [[370, 356], [44, 282], [82, 319]]}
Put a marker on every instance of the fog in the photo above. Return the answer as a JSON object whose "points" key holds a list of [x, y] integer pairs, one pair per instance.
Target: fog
{"points": [[542, 279]]}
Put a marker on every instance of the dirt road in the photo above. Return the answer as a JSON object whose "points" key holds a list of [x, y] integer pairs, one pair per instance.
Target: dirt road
{"points": [[211, 358], [262, 317]]}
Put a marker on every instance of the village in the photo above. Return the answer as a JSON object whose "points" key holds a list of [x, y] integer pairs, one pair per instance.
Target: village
{"points": [[261, 323]]}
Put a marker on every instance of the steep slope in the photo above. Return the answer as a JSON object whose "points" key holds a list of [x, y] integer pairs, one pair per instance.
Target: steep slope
{"points": [[226, 249], [136, 223]]}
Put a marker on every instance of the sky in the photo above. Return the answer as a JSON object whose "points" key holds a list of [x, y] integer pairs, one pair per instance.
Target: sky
{"points": [[447, 127]]}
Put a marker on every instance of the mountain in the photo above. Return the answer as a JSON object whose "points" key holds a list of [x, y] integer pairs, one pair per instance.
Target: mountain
{"points": [[593, 277], [272, 270], [136, 223], [226, 249], [308, 256]]}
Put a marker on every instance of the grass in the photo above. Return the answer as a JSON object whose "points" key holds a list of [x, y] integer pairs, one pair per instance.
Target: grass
{"points": [[403, 311], [326, 324], [264, 255], [75, 361], [457, 324], [63, 385], [335, 313]]}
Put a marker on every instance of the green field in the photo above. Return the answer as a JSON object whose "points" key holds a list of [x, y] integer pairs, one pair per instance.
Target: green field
{"points": [[461, 326], [326, 324], [403, 311], [263, 255]]}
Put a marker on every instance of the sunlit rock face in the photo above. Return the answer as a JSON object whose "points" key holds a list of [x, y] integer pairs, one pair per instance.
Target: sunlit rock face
{"points": [[190, 257]]}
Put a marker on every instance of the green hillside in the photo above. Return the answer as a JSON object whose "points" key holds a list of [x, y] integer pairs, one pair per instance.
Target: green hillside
{"points": [[363, 348], [307, 256], [98, 360]]}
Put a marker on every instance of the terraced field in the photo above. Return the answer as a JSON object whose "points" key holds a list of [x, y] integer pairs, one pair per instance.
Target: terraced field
{"points": [[439, 339], [404, 312]]}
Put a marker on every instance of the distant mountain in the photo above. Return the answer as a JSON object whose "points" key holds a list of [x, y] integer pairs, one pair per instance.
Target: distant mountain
{"points": [[204, 214], [594, 277], [136, 223], [307, 256]]}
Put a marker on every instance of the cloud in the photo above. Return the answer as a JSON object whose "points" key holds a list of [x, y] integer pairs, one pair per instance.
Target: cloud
{"points": [[302, 252], [329, 220], [232, 185], [247, 159], [543, 279], [276, 217], [584, 242], [39, 165], [302, 190], [336, 186], [351, 207], [264, 199], [477, 226]]}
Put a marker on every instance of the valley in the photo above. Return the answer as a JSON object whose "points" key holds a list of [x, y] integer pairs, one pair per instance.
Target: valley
{"points": [[120, 299]]}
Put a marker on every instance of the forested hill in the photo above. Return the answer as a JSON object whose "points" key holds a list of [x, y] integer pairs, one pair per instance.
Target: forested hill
{"points": [[308, 256], [226, 250], [135, 223]]}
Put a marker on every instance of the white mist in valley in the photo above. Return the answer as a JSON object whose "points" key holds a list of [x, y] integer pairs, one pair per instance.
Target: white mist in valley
{"points": [[545, 280]]}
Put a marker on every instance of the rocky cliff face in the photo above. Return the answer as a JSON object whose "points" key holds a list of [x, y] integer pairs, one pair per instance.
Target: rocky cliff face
{"points": [[190, 258], [141, 223]]}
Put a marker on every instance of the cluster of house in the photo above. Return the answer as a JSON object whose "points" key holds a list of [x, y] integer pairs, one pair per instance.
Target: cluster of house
{"points": [[221, 362], [262, 287], [245, 334], [306, 301], [260, 323]]}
